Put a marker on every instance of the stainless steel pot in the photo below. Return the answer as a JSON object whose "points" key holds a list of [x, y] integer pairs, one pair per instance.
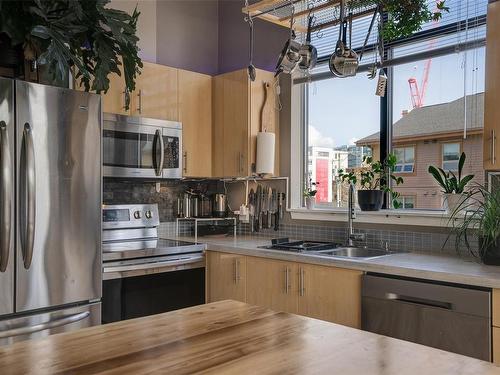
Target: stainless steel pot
{"points": [[219, 205]]}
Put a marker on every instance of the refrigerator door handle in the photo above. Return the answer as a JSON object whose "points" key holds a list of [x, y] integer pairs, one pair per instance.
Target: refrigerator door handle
{"points": [[44, 326], [28, 196], [6, 213]]}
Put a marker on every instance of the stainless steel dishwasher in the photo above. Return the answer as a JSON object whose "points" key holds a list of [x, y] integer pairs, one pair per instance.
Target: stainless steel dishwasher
{"points": [[452, 318]]}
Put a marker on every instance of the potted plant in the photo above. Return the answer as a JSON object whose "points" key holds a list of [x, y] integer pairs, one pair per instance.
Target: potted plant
{"points": [[404, 17], [310, 193], [479, 215], [62, 35], [453, 185], [373, 182]]}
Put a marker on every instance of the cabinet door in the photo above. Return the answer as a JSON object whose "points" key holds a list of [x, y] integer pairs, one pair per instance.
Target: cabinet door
{"points": [[115, 99], [195, 113], [272, 284], [226, 277], [331, 294], [236, 124], [156, 94], [491, 134]]}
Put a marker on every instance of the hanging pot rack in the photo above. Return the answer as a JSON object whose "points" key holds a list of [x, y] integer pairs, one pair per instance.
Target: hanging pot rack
{"points": [[326, 12]]}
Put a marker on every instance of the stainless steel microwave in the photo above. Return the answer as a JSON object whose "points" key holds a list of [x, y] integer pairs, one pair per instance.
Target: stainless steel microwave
{"points": [[141, 147]]}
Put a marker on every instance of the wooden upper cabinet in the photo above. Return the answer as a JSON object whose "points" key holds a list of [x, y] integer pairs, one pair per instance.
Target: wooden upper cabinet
{"points": [[272, 283], [225, 277], [491, 135], [195, 113], [331, 294], [156, 93], [114, 100], [237, 118]]}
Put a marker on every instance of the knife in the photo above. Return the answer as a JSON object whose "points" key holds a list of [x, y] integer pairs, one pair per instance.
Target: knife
{"points": [[269, 206], [258, 209], [251, 209]]}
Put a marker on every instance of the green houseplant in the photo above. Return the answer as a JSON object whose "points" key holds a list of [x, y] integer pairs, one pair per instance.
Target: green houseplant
{"points": [[310, 193], [453, 185], [479, 215], [373, 182], [404, 17], [67, 34]]}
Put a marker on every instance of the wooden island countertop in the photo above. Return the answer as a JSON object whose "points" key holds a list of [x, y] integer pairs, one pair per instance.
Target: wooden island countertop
{"points": [[230, 338]]}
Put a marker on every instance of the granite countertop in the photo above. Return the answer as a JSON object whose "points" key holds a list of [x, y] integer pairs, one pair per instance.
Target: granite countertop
{"points": [[444, 268], [230, 337]]}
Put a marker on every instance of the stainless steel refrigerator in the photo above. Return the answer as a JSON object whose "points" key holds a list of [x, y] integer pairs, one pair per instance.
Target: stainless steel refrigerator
{"points": [[50, 210]]}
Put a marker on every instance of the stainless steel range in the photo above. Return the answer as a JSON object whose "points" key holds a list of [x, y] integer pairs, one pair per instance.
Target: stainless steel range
{"points": [[144, 274]]}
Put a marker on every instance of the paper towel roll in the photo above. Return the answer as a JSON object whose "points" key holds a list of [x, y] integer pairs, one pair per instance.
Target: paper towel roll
{"points": [[265, 153]]}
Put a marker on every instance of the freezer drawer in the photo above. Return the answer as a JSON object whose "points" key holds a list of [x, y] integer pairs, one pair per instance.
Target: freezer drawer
{"points": [[49, 323], [455, 319]]}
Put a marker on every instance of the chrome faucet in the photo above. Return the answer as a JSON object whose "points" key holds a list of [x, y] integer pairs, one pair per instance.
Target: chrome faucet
{"points": [[351, 215]]}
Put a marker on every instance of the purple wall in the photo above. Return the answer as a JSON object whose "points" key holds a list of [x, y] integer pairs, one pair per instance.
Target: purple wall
{"points": [[211, 36], [187, 35], [234, 39]]}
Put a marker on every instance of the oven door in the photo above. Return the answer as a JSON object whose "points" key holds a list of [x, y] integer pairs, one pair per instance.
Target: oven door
{"points": [[136, 288], [132, 150]]}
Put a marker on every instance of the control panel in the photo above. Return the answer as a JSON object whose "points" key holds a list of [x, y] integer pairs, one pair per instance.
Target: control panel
{"points": [[130, 216]]}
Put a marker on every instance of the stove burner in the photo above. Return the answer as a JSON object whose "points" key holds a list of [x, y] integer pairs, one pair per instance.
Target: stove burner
{"points": [[300, 246]]}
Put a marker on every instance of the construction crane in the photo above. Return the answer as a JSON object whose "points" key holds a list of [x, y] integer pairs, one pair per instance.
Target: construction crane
{"points": [[418, 95]]}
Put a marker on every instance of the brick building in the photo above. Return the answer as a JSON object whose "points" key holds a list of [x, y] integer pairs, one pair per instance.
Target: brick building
{"points": [[434, 135]]}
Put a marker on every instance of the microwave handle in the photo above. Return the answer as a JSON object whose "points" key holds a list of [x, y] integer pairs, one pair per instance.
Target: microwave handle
{"points": [[158, 166]]}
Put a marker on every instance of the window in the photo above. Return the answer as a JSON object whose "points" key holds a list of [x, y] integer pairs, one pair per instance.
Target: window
{"points": [[406, 159], [451, 156], [406, 202], [434, 108], [334, 129]]}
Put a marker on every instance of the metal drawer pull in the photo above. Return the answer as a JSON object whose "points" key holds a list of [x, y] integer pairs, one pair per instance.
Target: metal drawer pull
{"points": [[419, 301], [44, 326], [287, 280], [185, 161], [6, 214], [302, 290], [238, 277]]}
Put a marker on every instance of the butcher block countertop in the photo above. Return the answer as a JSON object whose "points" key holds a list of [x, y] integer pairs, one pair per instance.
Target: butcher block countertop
{"points": [[230, 338]]}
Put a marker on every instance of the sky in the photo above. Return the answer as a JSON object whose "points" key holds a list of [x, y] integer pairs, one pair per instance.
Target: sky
{"points": [[344, 110]]}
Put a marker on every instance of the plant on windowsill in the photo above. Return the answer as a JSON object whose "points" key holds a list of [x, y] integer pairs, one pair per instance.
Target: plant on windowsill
{"points": [[310, 193], [453, 185], [62, 34], [372, 178], [478, 214]]}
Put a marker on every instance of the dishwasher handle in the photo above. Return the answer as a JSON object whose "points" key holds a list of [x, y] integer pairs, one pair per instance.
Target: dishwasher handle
{"points": [[419, 301]]}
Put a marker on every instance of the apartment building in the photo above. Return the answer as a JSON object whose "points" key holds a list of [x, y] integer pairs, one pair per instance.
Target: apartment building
{"points": [[435, 135]]}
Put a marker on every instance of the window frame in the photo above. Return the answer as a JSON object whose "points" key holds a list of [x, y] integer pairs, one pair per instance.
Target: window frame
{"points": [[405, 146], [299, 99], [460, 149]]}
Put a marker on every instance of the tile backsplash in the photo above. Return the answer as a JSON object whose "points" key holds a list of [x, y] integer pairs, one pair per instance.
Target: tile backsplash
{"points": [[399, 240]]}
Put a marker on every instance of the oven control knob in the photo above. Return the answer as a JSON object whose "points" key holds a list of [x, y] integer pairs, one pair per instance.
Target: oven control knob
{"points": [[149, 214], [137, 214]]}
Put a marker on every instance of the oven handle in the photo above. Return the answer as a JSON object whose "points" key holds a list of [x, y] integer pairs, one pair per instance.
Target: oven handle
{"points": [[146, 266]]}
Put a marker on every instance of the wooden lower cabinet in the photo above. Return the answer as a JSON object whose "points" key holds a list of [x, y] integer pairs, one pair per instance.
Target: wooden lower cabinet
{"points": [[496, 345], [225, 277], [331, 294], [322, 292], [272, 283]]}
